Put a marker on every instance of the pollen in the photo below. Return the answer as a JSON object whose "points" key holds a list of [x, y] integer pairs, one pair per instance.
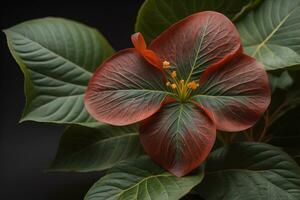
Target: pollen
{"points": [[173, 86], [193, 85], [166, 65], [173, 74], [168, 83], [181, 81]]}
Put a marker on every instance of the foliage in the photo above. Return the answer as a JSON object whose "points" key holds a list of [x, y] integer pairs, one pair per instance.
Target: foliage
{"points": [[176, 124], [57, 57]]}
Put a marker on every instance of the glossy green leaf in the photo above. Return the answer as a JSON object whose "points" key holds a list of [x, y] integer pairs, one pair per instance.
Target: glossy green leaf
{"points": [[250, 171], [57, 57], [157, 15], [86, 149], [143, 180], [271, 33]]}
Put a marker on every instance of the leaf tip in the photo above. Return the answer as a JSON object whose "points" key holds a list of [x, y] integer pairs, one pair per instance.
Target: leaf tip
{"points": [[23, 118]]}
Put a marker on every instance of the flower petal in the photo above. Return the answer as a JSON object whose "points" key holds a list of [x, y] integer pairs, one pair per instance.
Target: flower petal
{"points": [[198, 41], [138, 42], [140, 45], [237, 93], [125, 89], [178, 137]]}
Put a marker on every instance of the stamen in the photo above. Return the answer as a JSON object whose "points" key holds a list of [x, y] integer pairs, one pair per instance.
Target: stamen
{"points": [[173, 74], [182, 88], [193, 85], [173, 86], [166, 65]]}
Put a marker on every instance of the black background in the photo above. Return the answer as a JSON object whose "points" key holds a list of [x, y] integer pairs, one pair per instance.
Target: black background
{"points": [[27, 149]]}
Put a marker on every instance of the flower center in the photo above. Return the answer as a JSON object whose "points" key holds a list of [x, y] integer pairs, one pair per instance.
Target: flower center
{"points": [[182, 88]]}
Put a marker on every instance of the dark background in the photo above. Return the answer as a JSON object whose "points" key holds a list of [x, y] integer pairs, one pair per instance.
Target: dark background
{"points": [[27, 149]]}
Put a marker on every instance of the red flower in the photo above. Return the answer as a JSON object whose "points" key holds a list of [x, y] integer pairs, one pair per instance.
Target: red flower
{"points": [[192, 80]]}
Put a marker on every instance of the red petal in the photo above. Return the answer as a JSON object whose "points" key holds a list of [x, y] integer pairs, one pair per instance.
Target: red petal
{"points": [[179, 137], [138, 42], [237, 93], [198, 41], [125, 89], [140, 45], [152, 58]]}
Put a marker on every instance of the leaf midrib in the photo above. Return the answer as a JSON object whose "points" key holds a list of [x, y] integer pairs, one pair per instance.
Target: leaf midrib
{"points": [[51, 51], [197, 52], [179, 119], [141, 181], [273, 32]]}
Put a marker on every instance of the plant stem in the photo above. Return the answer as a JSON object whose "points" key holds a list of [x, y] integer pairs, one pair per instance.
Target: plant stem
{"points": [[266, 125]]}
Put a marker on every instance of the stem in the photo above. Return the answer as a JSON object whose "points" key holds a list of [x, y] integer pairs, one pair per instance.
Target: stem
{"points": [[266, 125], [276, 114]]}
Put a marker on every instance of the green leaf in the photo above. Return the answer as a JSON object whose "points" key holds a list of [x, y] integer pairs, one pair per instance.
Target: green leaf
{"points": [[250, 171], [142, 180], [157, 15], [271, 33], [85, 149], [57, 57]]}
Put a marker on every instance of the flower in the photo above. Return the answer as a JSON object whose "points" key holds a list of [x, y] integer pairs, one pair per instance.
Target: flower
{"points": [[192, 80]]}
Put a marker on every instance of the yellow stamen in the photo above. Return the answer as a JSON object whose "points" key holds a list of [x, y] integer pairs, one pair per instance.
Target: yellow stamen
{"points": [[193, 85], [181, 88], [173, 86], [173, 74], [166, 65]]}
